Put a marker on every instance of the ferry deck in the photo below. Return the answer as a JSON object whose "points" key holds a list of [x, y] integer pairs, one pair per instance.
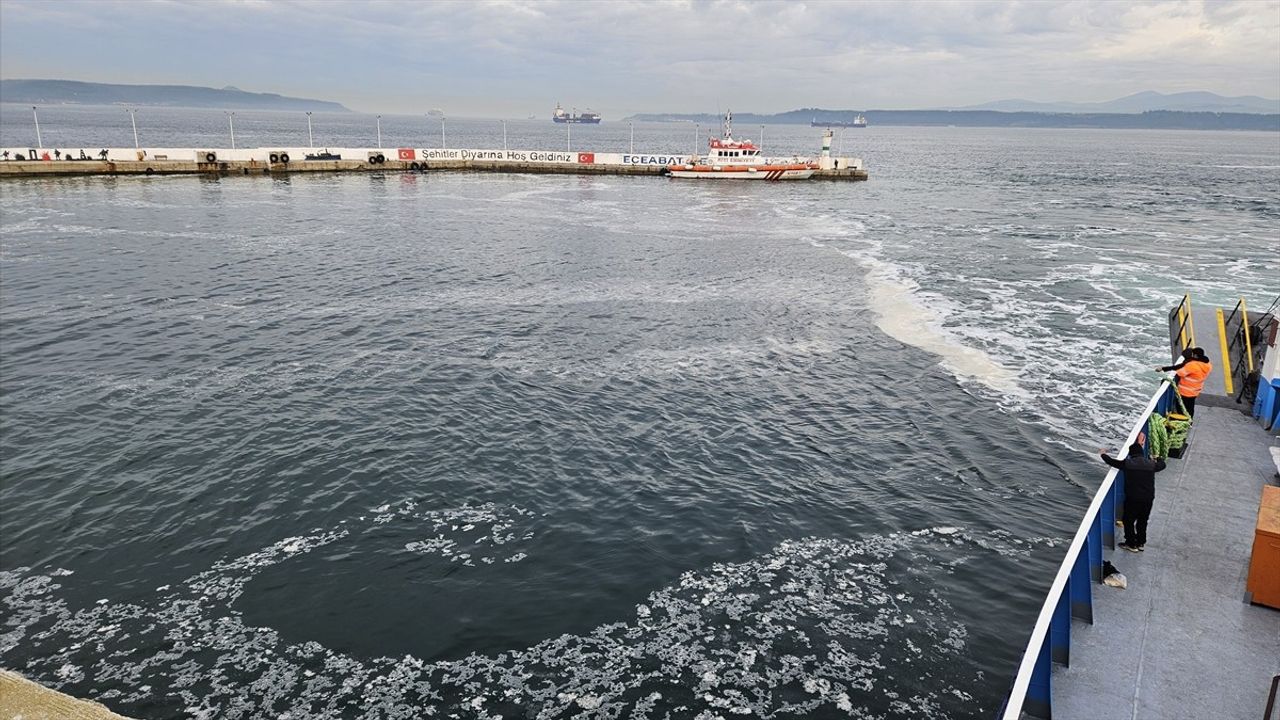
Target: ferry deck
{"points": [[1196, 632]]}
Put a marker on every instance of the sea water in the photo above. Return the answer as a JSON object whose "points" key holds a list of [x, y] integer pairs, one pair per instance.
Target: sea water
{"points": [[472, 445]]}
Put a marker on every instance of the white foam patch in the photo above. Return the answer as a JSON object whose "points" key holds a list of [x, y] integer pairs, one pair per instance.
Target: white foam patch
{"points": [[901, 316], [815, 623], [1062, 321]]}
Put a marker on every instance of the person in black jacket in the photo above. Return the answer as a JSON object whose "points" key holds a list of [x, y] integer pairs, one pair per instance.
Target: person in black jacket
{"points": [[1139, 492]]}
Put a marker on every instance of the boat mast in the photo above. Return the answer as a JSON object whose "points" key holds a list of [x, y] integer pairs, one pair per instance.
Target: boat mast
{"points": [[728, 124]]}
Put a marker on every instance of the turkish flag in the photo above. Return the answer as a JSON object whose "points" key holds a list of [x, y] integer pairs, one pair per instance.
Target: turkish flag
{"points": [[407, 154], [586, 158]]}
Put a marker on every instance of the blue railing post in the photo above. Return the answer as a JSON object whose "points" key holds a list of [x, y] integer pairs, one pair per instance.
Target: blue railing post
{"points": [[1039, 700], [1118, 488], [1083, 574], [1093, 549], [1060, 628], [1166, 403], [1109, 518]]}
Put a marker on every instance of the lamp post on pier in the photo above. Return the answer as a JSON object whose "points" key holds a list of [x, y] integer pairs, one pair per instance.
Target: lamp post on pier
{"points": [[568, 137], [632, 127], [379, 132], [504, 136], [133, 112], [311, 139], [39, 142], [697, 130], [231, 122], [442, 143], [762, 138]]}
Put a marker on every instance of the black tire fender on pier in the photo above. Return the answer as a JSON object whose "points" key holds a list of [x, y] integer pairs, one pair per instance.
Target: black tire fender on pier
{"points": [[210, 157], [381, 158], [151, 171], [284, 158], [414, 166], [275, 157]]}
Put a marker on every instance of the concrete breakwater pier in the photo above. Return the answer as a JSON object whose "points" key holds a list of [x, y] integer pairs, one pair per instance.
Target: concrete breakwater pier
{"points": [[28, 162], [22, 698]]}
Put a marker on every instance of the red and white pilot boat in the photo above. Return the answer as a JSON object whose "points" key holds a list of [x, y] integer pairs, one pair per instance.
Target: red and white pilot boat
{"points": [[729, 159]]}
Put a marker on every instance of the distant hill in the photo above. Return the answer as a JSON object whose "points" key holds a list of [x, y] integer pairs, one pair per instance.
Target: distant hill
{"points": [[87, 93], [1143, 102], [1152, 120]]}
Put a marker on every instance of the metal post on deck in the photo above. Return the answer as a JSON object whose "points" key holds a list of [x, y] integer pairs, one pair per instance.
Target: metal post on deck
{"points": [[231, 122], [568, 137], [311, 139], [442, 143], [1248, 342], [1226, 357], [632, 127], [39, 142], [379, 132], [697, 130], [504, 135], [761, 139]]}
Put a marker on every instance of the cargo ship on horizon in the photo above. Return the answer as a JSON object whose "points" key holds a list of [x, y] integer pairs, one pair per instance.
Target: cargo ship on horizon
{"points": [[858, 121], [586, 118]]}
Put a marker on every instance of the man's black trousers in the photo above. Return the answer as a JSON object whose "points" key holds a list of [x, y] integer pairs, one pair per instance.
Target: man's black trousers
{"points": [[1136, 512]]}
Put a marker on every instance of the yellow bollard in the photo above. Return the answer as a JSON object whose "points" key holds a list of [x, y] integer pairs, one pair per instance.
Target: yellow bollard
{"points": [[1226, 359], [1182, 322], [1191, 320]]}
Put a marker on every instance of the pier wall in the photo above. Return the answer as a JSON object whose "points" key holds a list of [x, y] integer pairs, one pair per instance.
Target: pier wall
{"points": [[22, 698], [159, 161]]}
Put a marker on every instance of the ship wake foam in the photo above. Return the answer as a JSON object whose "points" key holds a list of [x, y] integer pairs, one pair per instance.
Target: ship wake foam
{"points": [[814, 628], [902, 315]]}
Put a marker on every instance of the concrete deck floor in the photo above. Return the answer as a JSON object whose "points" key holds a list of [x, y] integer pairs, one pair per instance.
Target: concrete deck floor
{"points": [[1180, 642]]}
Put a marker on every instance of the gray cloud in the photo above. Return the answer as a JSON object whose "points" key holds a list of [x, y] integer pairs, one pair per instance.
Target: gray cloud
{"points": [[512, 58]]}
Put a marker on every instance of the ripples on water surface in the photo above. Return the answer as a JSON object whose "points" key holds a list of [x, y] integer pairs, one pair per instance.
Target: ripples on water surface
{"points": [[382, 445]]}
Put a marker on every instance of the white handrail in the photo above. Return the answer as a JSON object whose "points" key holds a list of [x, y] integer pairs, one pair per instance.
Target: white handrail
{"points": [[1018, 695]]}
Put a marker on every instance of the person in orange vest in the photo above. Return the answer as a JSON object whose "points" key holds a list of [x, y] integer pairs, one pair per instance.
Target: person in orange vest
{"points": [[1191, 372]]}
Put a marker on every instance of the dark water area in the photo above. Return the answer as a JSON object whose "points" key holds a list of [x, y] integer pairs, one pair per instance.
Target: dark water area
{"points": [[465, 445]]}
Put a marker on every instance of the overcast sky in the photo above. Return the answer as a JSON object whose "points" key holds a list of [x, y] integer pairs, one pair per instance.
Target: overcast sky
{"points": [[619, 56]]}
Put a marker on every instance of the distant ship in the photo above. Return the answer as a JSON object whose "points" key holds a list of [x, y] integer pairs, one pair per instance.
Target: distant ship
{"points": [[561, 116], [859, 121]]}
